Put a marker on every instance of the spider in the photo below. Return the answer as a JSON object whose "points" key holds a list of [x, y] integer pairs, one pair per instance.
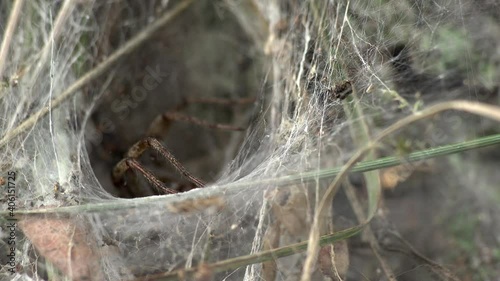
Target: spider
{"points": [[159, 125]]}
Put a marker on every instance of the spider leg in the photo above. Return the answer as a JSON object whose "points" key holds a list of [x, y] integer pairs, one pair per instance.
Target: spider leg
{"points": [[157, 128], [220, 101], [137, 150], [161, 123], [134, 164]]}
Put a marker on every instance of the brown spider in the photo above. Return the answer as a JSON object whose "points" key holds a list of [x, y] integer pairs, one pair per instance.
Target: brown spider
{"points": [[158, 126]]}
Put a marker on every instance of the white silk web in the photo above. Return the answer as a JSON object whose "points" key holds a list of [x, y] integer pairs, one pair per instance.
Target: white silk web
{"points": [[326, 76]]}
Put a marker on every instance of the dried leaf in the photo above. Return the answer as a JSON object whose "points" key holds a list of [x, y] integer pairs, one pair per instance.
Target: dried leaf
{"points": [[65, 244], [335, 268]]}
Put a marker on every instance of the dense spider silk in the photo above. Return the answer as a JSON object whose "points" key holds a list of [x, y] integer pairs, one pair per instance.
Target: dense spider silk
{"points": [[399, 57]]}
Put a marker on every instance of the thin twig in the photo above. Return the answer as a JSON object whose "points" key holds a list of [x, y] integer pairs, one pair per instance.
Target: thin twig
{"points": [[477, 108], [60, 21], [361, 134], [9, 31], [260, 257], [130, 46], [280, 181], [441, 271], [43, 54], [372, 240]]}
